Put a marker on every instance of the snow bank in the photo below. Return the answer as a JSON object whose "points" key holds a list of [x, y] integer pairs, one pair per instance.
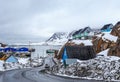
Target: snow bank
{"points": [[57, 42], [1, 66], [104, 53], [23, 60]]}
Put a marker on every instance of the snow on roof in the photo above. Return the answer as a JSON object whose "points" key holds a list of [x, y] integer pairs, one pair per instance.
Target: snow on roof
{"points": [[86, 42]]}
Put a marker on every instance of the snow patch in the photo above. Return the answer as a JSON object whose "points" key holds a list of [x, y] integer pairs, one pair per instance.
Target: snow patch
{"points": [[86, 42], [108, 36]]}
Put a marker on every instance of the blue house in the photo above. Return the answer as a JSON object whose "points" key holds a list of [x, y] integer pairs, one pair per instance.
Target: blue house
{"points": [[107, 28], [11, 58]]}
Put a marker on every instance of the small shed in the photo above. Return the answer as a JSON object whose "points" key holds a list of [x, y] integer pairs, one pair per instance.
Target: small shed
{"points": [[76, 52], [70, 54], [11, 58], [80, 52]]}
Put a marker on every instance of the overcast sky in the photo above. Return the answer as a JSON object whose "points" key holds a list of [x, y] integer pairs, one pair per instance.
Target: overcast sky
{"points": [[37, 20]]}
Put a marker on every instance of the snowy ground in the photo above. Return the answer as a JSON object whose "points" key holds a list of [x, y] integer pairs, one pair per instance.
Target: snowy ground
{"points": [[22, 63]]}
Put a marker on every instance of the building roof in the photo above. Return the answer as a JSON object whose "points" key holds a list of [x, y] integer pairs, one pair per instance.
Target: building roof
{"points": [[86, 29], [77, 32], [11, 58], [80, 31]]}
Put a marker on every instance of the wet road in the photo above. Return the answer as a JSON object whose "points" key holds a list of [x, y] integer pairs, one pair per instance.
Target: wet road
{"points": [[33, 75]]}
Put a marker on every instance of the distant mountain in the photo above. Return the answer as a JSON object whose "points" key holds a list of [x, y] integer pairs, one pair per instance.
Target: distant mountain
{"points": [[57, 36]]}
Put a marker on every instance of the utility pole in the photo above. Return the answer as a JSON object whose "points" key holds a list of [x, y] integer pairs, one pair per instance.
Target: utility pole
{"points": [[30, 56]]}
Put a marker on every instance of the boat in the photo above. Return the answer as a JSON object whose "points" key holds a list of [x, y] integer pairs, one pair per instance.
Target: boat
{"points": [[50, 51]]}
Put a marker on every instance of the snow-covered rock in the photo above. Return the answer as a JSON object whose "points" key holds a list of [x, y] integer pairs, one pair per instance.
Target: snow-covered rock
{"points": [[100, 68], [108, 36]]}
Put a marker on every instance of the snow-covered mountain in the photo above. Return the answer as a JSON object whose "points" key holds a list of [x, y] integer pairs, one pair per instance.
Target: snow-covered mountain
{"points": [[58, 38]]}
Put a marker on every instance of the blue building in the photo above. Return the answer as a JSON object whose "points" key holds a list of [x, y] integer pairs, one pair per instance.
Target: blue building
{"points": [[107, 28]]}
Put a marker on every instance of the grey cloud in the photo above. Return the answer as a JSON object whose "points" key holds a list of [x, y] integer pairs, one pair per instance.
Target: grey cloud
{"points": [[36, 20]]}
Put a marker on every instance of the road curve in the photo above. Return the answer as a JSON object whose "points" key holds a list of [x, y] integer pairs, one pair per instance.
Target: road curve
{"points": [[33, 75]]}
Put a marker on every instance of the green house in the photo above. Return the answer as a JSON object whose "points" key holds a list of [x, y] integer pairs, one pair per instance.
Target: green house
{"points": [[79, 36], [82, 33]]}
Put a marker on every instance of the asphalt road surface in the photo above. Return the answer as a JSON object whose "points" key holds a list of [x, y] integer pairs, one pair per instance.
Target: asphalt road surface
{"points": [[33, 75]]}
